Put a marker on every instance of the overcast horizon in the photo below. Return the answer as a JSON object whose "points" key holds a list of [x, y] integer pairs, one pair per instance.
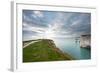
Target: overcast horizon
{"points": [[53, 24]]}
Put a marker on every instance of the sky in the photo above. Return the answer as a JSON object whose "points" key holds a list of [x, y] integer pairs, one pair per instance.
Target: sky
{"points": [[54, 24]]}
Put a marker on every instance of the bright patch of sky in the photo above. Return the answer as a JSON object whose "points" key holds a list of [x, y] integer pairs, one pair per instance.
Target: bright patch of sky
{"points": [[52, 24]]}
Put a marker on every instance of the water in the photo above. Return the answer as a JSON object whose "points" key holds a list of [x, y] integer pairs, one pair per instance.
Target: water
{"points": [[72, 47]]}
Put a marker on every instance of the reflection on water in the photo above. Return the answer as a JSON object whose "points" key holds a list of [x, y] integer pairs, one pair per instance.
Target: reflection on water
{"points": [[72, 47]]}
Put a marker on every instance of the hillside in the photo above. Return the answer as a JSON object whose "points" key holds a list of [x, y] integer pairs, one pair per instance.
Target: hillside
{"points": [[43, 50]]}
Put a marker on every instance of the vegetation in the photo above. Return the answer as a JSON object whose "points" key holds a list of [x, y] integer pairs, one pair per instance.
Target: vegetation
{"points": [[43, 50]]}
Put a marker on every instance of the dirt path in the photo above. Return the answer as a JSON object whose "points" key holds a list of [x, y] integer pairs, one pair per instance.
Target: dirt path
{"points": [[29, 44]]}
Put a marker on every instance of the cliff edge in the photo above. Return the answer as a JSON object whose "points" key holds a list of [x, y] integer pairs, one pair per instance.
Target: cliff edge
{"points": [[85, 41], [44, 50]]}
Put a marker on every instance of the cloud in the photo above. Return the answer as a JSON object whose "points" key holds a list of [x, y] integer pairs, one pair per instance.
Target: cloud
{"points": [[55, 24], [33, 18], [38, 14], [76, 23], [27, 27]]}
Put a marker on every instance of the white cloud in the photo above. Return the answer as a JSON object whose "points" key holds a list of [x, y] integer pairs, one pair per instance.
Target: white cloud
{"points": [[25, 25], [62, 26], [56, 26], [39, 30], [37, 14], [76, 23], [26, 18]]}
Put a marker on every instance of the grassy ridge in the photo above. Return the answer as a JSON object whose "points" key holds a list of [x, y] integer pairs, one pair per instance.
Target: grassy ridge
{"points": [[43, 50]]}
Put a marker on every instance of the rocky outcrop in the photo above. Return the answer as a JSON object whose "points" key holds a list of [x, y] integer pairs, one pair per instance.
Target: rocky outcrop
{"points": [[85, 41]]}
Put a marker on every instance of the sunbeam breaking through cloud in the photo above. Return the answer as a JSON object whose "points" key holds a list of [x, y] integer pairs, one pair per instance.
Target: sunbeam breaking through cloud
{"points": [[52, 24]]}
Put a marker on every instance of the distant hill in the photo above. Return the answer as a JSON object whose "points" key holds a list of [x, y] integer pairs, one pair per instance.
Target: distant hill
{"points": [[43, 50]]}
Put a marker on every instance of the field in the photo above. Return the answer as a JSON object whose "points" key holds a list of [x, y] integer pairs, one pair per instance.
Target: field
{"points": [[43, 50]]}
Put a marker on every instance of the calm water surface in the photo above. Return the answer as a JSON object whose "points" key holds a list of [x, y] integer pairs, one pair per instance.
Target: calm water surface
{"points": [[72, 47]]}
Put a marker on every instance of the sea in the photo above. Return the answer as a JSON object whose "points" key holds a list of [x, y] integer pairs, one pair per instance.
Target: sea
{"points": [[72, 47]]}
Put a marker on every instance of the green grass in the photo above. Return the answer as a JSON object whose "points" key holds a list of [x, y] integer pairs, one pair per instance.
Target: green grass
{"points": [[43, 50]]}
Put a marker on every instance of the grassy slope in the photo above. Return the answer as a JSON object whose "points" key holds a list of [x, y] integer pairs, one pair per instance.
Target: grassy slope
{"points": [[44, 50]]}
